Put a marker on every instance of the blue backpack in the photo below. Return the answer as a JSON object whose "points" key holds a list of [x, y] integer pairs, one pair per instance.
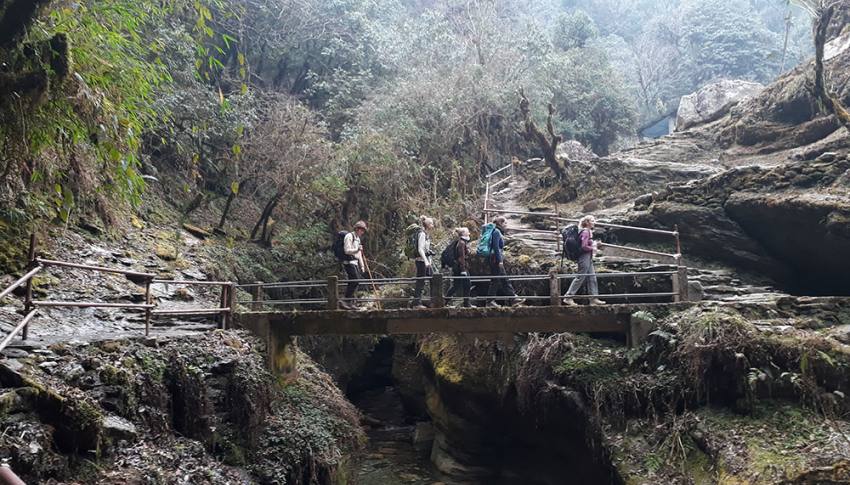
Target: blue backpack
{"points": [[485, 242]]}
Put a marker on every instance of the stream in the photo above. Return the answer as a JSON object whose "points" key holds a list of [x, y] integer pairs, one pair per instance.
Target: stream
{"points": [[391, 458]]}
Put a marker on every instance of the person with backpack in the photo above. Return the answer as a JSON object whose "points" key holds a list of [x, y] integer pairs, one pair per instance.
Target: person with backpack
{"points": [[349, 251], [496, 245], [423, 255], [586, 246], [456, 256]]}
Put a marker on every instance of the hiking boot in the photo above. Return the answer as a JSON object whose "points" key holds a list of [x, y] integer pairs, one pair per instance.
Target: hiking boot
{"points": [[569, 302], [518, 302], [344, 305], [494, 304], [596, 301]]}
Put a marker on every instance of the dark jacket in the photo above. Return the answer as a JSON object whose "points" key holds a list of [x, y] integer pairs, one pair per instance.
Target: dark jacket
{"points": [[498, 246]]}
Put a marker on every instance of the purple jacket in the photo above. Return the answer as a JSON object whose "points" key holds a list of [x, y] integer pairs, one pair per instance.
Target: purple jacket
{"points": [[586, 241]]}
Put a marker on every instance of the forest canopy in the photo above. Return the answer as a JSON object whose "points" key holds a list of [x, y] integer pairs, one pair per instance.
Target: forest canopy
{"points": [[305, 106]]}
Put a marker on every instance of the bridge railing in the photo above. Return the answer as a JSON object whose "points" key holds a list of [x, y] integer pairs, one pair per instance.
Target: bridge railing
{"points": [[151, 309], [329, 290], [554, 236]]}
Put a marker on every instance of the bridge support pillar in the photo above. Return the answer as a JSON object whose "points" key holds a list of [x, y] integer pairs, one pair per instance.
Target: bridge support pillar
{"points": [[554, 289], [437, 298], [640, 326], [282, 356]]}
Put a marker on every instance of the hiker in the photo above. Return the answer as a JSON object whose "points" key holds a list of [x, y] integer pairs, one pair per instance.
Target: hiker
{"points": [[423, 258], [354, 265], [585, 264], [502, 285], [459, 259]]}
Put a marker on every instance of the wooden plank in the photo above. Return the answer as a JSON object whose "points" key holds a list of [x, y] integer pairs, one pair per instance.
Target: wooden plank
{"points": [[609, 318]]}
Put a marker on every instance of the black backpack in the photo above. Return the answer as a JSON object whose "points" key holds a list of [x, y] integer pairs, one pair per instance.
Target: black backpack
{"points": [[339, 247], [571, 237], [449, 255]]}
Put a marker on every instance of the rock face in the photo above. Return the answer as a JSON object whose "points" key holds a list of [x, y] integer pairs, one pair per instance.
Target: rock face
{"points": [[791, 222], [199, 409], [713, 101]]}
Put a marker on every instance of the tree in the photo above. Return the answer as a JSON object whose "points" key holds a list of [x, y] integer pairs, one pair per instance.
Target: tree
{"points": [[823, 12], [548, 145]]}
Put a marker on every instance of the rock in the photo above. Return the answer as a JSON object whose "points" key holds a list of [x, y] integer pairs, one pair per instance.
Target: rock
{"points": [[644, 201], [15, 353], [423, 434], [10, 373], [118, 428], [713, 101], [91, 227], [11, 402], [184, 294], [194, 273], [196, 231], [827, 157], [574, 150], [166, 251]]}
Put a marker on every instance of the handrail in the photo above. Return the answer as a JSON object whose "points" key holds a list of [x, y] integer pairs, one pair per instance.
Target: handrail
{"points": [[23, 279], [489, 175], [557, 217], [191, 282], [639, 250], [91, 304], [50, 262], [17, 329], [192, 311], [500, 182]]}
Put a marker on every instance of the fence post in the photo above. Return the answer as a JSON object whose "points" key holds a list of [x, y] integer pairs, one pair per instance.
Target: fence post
{"points": [[148, 311], [682, 277], [231, 303], [257, 296], [437, 298], [222, 303], [554, 289], [677, 291], [28, 299], [333, 292]]}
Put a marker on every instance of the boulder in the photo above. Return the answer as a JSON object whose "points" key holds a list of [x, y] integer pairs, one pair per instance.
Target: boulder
{"points": [[574, 150], [713, 101]]}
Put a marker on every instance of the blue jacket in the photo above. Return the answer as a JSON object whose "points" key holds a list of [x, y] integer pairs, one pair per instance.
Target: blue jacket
{"points": [[497, 243]]}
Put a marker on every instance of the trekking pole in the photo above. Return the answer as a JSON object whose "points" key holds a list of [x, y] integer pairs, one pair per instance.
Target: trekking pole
{"points": [[374, 286]]}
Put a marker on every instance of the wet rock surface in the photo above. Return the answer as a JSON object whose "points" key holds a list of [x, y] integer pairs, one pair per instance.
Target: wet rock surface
{"points": [[198, 409]]}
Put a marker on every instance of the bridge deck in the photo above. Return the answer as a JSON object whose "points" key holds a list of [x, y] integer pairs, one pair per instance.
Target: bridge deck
{"points": [[607, 319]]}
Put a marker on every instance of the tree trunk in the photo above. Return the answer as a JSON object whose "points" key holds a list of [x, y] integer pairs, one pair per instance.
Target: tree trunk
{"points": [[829, 101], [263, 222], [533, 134], [225, 211]]}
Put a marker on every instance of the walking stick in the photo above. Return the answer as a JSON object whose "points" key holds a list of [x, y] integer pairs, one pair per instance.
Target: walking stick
{"points": [[374, 286]]}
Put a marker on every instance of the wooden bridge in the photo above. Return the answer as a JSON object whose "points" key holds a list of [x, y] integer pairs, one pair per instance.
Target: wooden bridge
{"points": [[313, 307]]}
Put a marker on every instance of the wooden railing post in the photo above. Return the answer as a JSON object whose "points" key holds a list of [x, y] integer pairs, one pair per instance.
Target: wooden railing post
{"points": [[28, 306], [554, 289], [231, 304], [148, 310], [682, 277], [437, 298], [257, 296], [333, 292], [677, 291], [222, 303]]}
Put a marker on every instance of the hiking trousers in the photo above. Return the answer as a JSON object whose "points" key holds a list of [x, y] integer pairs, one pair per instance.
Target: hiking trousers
{"points": [[500, 286], [463, 284], [421, 272], [585, 267], [352, 272]]}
